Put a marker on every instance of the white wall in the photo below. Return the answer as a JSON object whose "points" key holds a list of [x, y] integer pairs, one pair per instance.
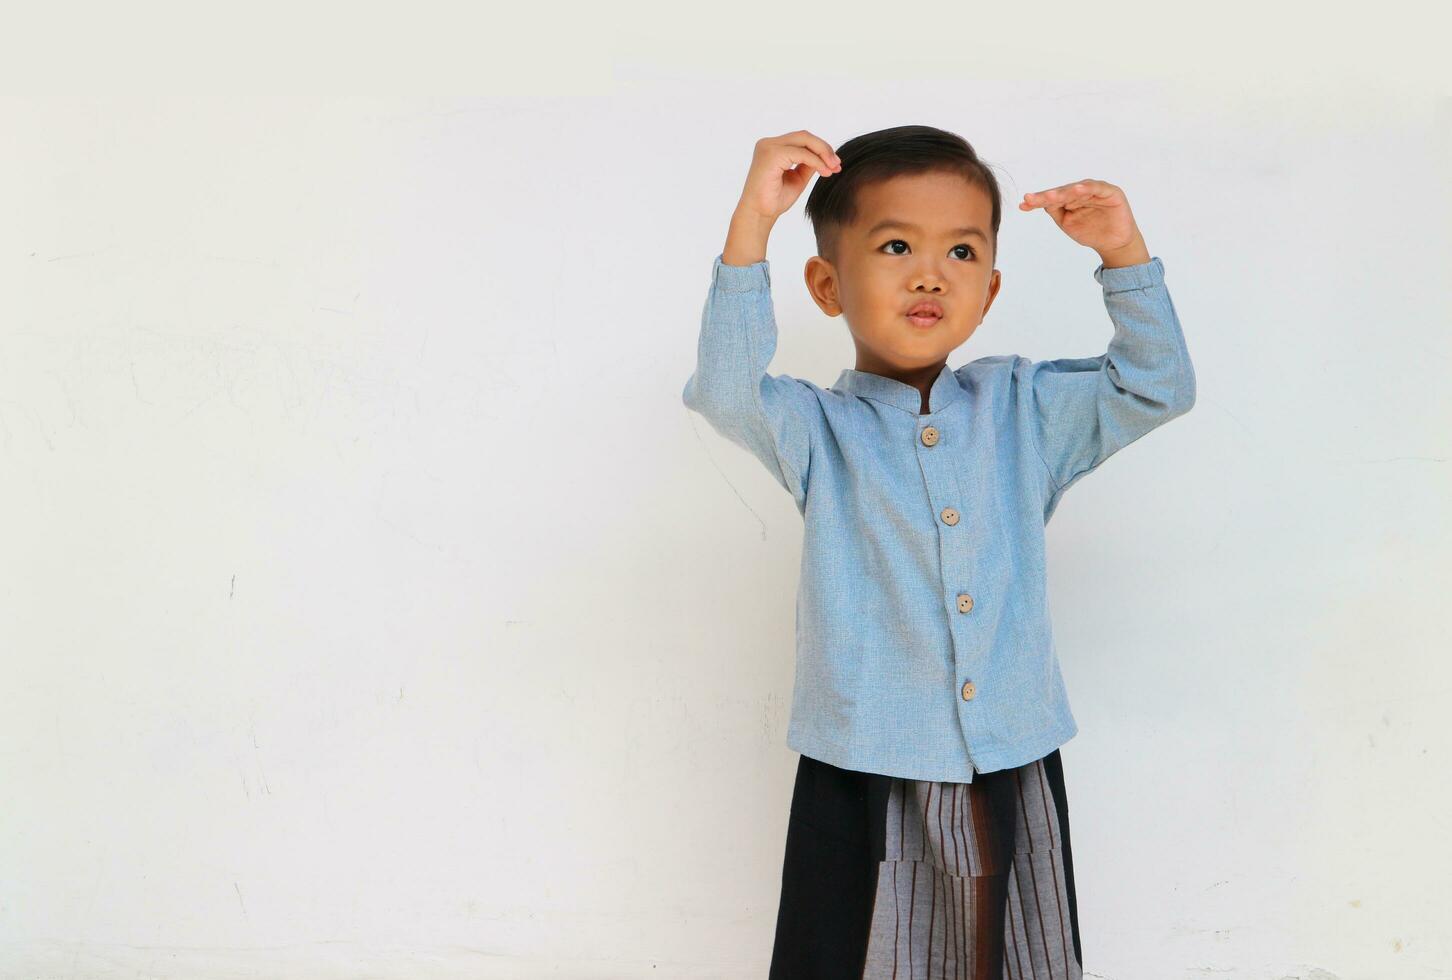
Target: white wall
{"points": [[372, 606]]}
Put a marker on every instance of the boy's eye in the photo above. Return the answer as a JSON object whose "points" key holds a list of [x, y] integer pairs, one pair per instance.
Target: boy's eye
{"points": [[899, 241]]}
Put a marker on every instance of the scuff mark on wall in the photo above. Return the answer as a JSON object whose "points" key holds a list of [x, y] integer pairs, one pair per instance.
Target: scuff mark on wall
{"points": [[718, 469]]}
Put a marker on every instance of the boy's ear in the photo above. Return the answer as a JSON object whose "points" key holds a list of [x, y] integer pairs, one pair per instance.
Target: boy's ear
{"points": [[994, 282], [821, 279]]}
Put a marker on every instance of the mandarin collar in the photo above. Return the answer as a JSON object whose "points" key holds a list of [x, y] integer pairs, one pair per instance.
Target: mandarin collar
{"points": [[900, 394]]}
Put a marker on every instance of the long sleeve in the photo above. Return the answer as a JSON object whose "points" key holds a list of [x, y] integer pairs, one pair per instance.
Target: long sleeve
{"points": [[772, 417], [1085, 409]]}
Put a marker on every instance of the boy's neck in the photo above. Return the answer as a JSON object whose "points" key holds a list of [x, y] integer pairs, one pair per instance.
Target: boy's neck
{"points": [[921, 378]]}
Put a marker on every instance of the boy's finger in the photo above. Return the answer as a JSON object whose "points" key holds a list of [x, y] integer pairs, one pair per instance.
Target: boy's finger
{"points": [[818, 145], [1056, 193], [800, 154], [1081, 189], [823, 149]]}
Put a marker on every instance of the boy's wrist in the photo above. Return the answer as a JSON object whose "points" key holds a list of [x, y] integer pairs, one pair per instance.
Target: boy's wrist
{"points": [[747, 237], [1135, 253]]}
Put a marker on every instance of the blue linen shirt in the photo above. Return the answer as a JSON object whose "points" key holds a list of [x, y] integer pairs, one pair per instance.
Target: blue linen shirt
{"points": [[924, 647]]}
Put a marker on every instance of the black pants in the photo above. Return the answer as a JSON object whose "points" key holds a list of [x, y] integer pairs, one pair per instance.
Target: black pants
{"points": [[906, 878]]}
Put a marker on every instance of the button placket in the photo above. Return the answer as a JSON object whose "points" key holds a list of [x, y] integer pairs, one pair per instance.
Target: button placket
{"points": [[929, 436]]}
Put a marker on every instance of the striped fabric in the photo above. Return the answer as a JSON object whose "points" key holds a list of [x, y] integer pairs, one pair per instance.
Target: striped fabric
{"points": [[901, 879]]}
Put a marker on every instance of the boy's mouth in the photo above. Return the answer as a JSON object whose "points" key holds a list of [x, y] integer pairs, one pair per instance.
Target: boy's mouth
{"points": [[925, 314]]}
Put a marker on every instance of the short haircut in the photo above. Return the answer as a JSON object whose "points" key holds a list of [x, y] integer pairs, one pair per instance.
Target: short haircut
{"points": [[887, 153]]}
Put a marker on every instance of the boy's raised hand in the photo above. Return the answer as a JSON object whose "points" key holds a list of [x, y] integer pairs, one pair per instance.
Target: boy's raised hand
{"points": [[1092, 212], [781, 166]]}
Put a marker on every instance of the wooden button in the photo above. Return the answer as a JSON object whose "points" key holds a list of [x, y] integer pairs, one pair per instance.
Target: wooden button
{"points": [[965, 603], [930, 436], [950, 516], [968, 691]]}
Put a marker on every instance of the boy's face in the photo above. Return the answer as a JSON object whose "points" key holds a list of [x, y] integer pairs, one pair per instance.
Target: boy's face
{"points": [[883, 270]]}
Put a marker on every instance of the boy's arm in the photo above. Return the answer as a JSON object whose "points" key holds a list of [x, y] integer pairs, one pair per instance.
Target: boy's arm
{"points": [[1085, 409], [769, 416]]}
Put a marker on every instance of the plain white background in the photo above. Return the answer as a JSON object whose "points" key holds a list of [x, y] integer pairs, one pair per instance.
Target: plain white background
{"points": [[371, 606]]}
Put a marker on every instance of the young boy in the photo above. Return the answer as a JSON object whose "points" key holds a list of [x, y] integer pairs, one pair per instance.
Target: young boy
{"points": [[928, 833]]}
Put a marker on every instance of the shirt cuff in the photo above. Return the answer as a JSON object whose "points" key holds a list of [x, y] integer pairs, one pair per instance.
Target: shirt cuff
{"points": [[740, 278], [1120, 278]]}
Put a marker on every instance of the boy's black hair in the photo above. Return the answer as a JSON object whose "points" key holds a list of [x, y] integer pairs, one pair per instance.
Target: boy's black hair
{"points": [[832, 204]]}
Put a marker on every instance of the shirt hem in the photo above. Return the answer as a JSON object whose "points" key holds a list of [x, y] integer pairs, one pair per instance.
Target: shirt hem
{"points": [[984, 762]]}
